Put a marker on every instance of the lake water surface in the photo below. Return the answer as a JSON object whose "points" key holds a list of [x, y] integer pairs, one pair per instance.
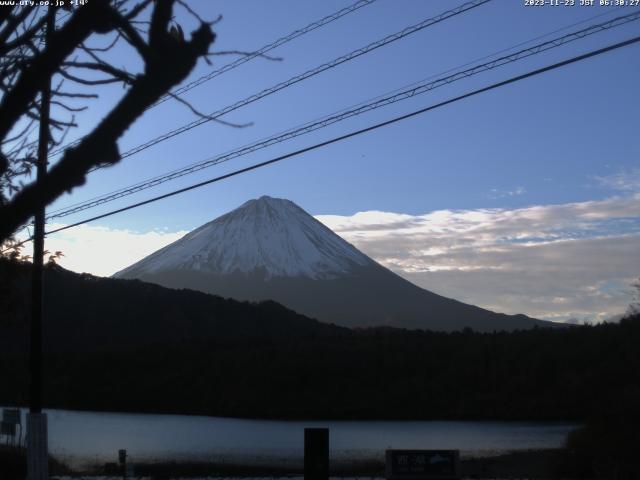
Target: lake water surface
{"points": [[95, 437]]}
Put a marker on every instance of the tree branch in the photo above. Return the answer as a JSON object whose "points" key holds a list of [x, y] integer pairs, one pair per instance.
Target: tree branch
{"points": [[12, 23], [208, 117], [84, 81], [100, 147], [119, 75], [23, 37], [86, 20]]}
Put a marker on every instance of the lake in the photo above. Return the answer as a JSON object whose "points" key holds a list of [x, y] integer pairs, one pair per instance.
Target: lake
{"points": [[79, 438]]}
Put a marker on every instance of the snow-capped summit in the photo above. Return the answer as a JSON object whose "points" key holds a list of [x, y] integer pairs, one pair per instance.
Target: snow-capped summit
{"points": [[269, 235], [271, 249]]}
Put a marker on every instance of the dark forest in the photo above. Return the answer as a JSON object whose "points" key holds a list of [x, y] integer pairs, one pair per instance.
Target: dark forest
{"points": [[179, 351]]}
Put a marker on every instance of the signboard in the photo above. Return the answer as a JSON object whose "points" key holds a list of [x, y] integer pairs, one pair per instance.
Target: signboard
{"points": [[422, 464], [11, 415]]}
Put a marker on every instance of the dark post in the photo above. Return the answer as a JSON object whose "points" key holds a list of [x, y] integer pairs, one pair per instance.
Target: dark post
{"points": [[35, 358], [37, 451], [122, 460], [316, 454]]}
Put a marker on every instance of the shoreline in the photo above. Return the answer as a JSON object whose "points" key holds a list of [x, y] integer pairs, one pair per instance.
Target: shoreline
{"points": [[535, 463], [531, 464]]}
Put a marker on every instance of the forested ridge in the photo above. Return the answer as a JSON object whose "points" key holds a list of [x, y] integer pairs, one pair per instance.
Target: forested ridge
{"points": [[262, 360]]}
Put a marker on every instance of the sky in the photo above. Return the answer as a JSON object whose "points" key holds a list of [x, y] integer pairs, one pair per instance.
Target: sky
{"points": [[524, 199]]}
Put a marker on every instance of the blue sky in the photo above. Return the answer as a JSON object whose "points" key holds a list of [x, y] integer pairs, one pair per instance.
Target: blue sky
{"points": [[569, 137]]}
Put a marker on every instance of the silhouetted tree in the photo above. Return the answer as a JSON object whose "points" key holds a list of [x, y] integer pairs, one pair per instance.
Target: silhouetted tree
{"points": [[634, 306], [77, 65]]}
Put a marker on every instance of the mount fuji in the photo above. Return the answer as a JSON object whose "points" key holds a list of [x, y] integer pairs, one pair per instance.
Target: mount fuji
{"points": [[270, 248]]}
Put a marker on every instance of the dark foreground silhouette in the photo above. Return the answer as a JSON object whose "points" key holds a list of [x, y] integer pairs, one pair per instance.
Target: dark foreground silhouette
{"points": [[529, 464], [13, 464], [130, 346], [121, 345]]}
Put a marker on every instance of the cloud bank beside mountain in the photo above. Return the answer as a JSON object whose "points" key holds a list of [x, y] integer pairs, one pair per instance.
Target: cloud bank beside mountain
{"points": [[102, 250], [557, 262]]}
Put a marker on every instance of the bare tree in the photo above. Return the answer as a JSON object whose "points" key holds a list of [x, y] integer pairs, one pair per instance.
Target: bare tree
{"points": [[77, 64], [634, 306]]}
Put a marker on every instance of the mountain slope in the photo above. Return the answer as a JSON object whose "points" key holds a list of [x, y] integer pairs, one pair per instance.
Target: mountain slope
{"points": [[272, 249], [87, 313], [268, 235]]}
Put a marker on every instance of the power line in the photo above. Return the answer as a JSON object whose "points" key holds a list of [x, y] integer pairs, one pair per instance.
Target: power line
{"points": [[486, 57], [349, 135], [304, 76], [493, 86], [246, 58], [416, 89], [109, 195], [267, 48]]}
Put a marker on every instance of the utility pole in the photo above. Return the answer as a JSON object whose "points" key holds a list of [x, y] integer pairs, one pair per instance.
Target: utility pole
{"points": [[37, 443]]}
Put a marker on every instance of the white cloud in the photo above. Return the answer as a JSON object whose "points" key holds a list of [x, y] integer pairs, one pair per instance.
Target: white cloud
{"points": [[623, 181], [102, 250], [570, 261], [495, 193], [550, 261]]}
